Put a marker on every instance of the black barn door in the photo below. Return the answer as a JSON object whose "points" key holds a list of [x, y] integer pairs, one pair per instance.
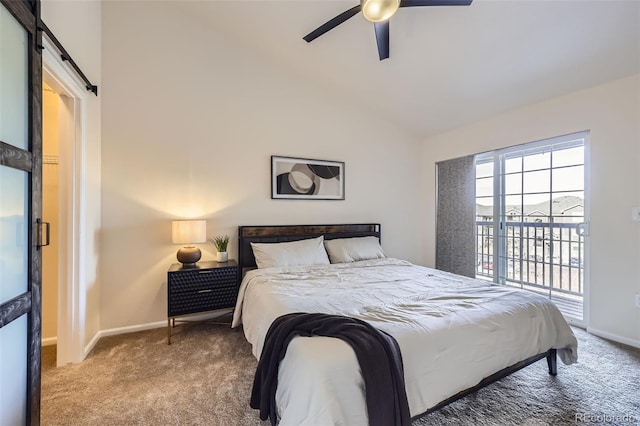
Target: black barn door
{"points": [[20, 207]]}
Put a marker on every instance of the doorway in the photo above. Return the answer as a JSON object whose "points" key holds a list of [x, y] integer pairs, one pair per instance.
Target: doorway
{"points": [[50, 214], [66, 123]]}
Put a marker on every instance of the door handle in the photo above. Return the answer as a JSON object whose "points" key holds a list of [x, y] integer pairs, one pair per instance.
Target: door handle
{"points": [[47, 233], [582, 229]]}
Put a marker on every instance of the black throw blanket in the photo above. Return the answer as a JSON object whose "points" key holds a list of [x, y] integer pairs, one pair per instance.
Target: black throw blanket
{"points": [[377, 352]]}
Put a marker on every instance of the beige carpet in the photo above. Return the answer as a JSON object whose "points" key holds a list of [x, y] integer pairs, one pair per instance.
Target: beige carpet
{"points": [[205, 377]]}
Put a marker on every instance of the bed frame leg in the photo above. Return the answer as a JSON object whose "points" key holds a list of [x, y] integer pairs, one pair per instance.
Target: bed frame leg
{"points": [[552, 362]]}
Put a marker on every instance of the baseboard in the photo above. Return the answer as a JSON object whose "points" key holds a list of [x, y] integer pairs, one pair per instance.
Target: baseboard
{"points": [[614, 337], [91, 344], [576, 322], [132, 328], [50, 341], [140, 327], [121, 330]]}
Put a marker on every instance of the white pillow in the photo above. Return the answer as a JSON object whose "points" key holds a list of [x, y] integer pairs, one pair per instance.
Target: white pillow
{"points": [[304, 252], [344, 250]]}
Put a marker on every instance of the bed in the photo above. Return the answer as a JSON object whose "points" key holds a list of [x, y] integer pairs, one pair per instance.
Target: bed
{"points": [[456, 334]]}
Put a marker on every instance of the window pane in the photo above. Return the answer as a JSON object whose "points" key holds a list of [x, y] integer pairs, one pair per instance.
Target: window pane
{"points": [[512, 165], [568, 157], [537, 161], [513, 201], [13, 372], [539, 181], [484, 187], [513, 184], [569, 208], [13, 81], [485, 201], [484, 169], [484, 208], [536, 207], [513, 214], [568, 179], [512, 208], [13, 233]]}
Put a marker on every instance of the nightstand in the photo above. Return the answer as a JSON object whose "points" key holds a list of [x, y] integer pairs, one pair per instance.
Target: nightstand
{"points": [[209, 286]]}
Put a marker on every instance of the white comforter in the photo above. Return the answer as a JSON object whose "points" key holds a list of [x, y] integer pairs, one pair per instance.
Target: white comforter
{"points": [[453, 331]]}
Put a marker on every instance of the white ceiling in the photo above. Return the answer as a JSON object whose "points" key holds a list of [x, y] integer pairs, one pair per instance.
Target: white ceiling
{"points": [[449, 66]]}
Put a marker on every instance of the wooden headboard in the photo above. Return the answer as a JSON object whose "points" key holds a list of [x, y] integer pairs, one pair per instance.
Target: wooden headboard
{"points": [[284, 233]]}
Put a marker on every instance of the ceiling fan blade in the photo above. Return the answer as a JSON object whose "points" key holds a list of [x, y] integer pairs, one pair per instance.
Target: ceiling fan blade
{"points": [[382, 37], [331, 24], [413, 3]]}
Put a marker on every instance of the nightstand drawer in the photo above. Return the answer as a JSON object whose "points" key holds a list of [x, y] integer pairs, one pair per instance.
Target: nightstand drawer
{"points": [[206, 287], [202, 279], [205, 299]]}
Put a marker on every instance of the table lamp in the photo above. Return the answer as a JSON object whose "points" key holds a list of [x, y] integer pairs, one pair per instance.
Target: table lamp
{"points": [[188, 232]]}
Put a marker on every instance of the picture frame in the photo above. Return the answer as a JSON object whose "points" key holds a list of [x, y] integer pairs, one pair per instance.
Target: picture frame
{"points": [[306, 179]]}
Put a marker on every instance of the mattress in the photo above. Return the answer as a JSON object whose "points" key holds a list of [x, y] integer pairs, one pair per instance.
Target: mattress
{"points": [[453, 331]]}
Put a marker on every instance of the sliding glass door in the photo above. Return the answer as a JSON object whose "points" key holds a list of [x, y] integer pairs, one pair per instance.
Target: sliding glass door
{"points": [[531, 219]]}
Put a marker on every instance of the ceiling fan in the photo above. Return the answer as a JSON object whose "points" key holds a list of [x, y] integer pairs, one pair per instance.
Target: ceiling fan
{"points": [[379, 12]]}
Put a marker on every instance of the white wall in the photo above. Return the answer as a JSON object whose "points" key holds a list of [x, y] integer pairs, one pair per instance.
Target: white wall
{"points": [[190, 120], [77, 24], [612, 113]]}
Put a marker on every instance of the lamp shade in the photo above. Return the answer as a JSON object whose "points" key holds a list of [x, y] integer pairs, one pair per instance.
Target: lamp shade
{"points": [[188, 231]]}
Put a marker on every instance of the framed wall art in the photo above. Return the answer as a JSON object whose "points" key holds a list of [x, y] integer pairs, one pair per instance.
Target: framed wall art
{"points": [[306, 179]]}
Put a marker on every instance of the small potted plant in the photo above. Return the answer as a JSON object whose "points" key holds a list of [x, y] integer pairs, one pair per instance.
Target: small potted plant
{"points": [[221, 242]]}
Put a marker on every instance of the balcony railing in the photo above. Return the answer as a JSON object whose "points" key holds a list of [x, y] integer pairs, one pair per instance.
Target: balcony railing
{"points": [[545, 257]]}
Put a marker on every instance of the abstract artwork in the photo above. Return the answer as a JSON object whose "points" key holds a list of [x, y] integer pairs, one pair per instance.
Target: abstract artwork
{"points": [[301, 178]]}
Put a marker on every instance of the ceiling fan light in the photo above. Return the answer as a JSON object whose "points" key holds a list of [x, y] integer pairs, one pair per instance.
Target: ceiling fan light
{"points": [[379, 10]]}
